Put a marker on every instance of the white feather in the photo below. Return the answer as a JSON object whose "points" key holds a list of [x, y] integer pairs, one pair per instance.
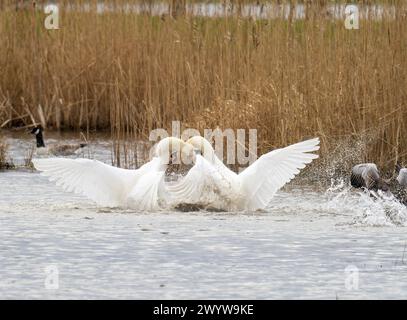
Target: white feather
{"points": [[145, 196], [254, 187], [273, 170], [106, 185], [203, 185], [209, 183]]}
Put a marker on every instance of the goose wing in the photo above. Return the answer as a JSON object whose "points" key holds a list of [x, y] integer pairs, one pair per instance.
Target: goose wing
{"points": [[364, 175], [402, 177], [106, 185], [356, 179], [261, 180]]}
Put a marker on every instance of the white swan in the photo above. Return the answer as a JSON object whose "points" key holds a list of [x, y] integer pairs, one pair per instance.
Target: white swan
{"points": [[250, 190], [142, 189]]}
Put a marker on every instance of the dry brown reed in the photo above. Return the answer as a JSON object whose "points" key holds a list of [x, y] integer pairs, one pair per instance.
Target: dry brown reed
{"points": [[289, 79], [2, 154], [5, 162]]}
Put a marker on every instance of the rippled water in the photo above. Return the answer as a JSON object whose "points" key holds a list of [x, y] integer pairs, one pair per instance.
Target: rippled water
{"points": [[325, 244]]}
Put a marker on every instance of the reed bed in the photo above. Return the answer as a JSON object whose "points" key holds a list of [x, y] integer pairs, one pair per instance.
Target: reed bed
{"points": [[131, 73]]}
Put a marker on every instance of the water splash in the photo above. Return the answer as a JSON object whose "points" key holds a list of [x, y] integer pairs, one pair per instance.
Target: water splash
{"points": [[380, 209], [368, 208]]}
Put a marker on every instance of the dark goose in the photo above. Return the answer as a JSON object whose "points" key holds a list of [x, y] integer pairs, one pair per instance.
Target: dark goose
{"points": [[54, 150], [366, 175], [402, 175]]}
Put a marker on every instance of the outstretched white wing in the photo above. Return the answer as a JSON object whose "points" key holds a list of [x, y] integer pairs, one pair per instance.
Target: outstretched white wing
{"points": [[106, 185], [200, 185], [261, 180], [145, 196]]}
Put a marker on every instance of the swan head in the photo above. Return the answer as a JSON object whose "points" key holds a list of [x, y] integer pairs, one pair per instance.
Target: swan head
{"points": [[172, 150], [203, 147]]}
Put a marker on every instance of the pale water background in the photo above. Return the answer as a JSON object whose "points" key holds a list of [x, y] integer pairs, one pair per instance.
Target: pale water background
{"points": [[299, 248], [255, 11]]}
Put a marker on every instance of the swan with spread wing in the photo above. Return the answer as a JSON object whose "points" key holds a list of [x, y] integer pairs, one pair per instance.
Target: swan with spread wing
{"points": [[208, 184], [250, 190], [142, 189]]}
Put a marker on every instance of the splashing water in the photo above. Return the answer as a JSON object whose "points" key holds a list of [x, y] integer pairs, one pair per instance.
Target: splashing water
{"points": [[372, 208]]}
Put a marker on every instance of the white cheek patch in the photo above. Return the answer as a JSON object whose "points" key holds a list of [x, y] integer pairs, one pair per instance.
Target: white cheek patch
{"points": [[37, 131]]}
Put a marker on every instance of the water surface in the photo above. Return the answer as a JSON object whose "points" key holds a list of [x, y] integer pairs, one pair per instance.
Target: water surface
{"points": [[307, 244]]}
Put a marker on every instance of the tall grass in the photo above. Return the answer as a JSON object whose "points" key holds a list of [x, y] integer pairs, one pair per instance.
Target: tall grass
{"points": [[289, 79]]}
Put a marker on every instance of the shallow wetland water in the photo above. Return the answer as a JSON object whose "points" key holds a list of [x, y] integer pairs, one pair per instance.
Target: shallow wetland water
{"points": [[328, 244]]}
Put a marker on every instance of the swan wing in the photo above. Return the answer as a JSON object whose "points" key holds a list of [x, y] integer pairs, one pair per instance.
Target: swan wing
{"points": [[224, 170], [261, 180], [201, 180], [147, 193], [106, 185]]}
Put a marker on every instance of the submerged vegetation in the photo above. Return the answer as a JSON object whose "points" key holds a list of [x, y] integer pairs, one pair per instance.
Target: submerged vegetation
{"points": [[131, 73]]}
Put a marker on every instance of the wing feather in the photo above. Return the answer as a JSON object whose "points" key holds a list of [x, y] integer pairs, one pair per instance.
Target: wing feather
{"points": [[106, 185], [199, 185], [269, 173], [145, 195]]}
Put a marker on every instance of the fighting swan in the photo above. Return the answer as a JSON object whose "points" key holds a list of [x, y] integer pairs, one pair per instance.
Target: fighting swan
{"points": [[209, 183]]}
